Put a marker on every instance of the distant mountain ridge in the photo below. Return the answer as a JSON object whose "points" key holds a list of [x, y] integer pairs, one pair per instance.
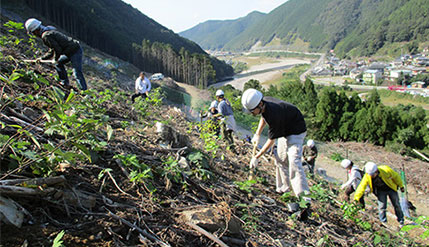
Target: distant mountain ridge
{"points": [[351, 27], [214, 34]]}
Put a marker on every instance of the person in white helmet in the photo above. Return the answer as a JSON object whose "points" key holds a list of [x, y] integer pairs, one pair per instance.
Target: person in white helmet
{"points": [[63, 49], [383, 181], [287, 125], [212, 109], [354, 175], [309, 154], [225, 110]]}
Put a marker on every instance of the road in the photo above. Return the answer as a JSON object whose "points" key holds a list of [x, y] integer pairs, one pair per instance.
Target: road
{"points": [[319, 62], [262, 73]]}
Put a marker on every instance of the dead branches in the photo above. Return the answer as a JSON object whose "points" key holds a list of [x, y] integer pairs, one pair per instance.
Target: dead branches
{"points": [[142, 231]]}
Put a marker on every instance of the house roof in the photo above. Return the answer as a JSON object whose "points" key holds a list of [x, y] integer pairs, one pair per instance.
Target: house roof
{"points": [[372, 71]]}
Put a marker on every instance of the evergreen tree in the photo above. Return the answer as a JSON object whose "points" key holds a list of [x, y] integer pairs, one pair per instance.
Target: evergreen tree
{"points": [[310, 98], [328, 115], [253, 84]]}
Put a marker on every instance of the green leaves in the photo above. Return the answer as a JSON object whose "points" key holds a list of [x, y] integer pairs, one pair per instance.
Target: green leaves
{"points": [[109, 131], [57, 241], [102, 172], [246, 185], [14, 25]]}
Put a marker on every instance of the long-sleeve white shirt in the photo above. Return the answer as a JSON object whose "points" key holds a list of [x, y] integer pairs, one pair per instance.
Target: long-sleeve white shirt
{"points": [[143, 86], [354, 178]]}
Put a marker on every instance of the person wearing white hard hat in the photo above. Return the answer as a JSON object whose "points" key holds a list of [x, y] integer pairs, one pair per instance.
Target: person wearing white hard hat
{"points": [[225, 110], [287, 126], [63, 49], [309, 153], [383, 181], [354, 175]]}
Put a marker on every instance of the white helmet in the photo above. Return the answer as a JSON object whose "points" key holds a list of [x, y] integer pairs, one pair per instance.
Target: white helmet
{"points": [[219, 93], [32, 24], [370, 168], [310, 143], [213, 104], [251, 98], [346, 163]]}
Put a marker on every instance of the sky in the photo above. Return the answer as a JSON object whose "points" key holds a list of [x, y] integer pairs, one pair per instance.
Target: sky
{"points": [[180, 15]]}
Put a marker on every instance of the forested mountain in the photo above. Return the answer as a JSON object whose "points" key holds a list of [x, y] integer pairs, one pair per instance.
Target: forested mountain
{"points": [[354, 27], [121, 30], [214, 34]]}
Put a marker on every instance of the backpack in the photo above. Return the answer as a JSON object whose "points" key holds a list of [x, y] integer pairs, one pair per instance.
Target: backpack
{"points": [[361, 172]]}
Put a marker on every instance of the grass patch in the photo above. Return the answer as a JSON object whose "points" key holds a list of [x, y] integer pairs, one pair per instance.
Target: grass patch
{"points": [[392, 98]]}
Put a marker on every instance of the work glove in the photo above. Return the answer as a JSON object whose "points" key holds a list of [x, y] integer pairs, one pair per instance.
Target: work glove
{"points": [[255, 139], [253, 162], [343, 186]]}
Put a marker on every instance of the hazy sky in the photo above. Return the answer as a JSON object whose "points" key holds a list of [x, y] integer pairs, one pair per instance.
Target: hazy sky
{"points": [[179, 15]]}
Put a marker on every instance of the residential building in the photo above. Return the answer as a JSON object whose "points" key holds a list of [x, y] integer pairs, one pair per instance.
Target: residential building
{"points": [[418, 84], [372, 76], [395, 74]]}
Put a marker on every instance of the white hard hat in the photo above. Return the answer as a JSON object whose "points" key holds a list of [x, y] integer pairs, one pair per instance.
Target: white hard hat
{"points": [[346, 163], [219, 93], [370, 168], [251, 98], [32, 24], [310, 143], [213, 104]]}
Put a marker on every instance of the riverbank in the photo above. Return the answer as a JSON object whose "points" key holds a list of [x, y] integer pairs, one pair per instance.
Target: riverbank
{"points": [[262, 72]]}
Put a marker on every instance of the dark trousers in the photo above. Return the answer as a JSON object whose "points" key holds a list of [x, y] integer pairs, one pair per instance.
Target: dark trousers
{"points": [[134, 96], [382, 205], [76, 60], [349, 191], [310, 165]]}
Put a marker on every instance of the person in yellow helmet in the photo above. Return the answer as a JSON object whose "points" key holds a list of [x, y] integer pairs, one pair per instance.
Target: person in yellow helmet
{"points": [[383, 181]]}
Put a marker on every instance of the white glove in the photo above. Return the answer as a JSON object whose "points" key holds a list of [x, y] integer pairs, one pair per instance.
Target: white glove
{"points": [[253, 162], [255, 139], [343, 186]]}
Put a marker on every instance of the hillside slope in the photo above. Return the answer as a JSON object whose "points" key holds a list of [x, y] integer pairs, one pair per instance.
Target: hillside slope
{"points": [[213, 35], [91, 164], [111, 26]]}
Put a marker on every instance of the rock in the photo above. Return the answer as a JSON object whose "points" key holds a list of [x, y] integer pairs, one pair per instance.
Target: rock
{"points": [[183, 163], [10, 213], [293, 207], [170, 136], [212, 218], [321, 171]]}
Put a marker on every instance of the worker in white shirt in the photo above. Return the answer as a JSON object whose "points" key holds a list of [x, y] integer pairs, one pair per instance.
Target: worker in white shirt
{"points": [[354, 175], [142, 87]]}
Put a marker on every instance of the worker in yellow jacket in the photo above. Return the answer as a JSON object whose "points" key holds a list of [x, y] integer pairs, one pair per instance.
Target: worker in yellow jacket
{"points": [[383, 181]]}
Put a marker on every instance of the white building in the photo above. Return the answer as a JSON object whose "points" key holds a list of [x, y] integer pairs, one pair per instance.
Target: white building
{"points": [[372, 76]]}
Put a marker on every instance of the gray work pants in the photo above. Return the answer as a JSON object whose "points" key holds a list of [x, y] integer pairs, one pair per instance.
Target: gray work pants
{"points": [[289, 171]]}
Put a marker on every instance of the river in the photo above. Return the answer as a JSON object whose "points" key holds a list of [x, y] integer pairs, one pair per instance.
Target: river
{"points": [[262, 72]]}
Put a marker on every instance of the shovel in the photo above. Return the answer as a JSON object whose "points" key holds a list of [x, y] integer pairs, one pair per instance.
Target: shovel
{"points": [[403, 199]]}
